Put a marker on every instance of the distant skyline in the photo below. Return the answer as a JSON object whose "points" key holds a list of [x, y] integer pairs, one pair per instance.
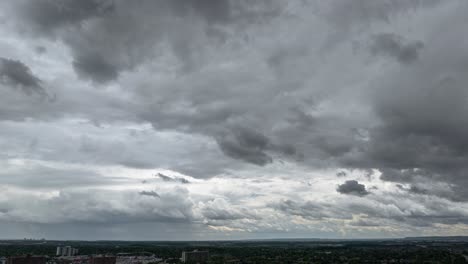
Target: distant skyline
{"points": [[233, 119]]}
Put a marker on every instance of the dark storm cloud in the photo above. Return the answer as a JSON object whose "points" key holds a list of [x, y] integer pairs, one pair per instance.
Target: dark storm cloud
{"points": [[346, 14], [352, 187], [49, 15], [388, 44], [107, 37], [417, 190], [420, 110], [425, 115], [211, 10], [348, 17], [249, 145], [94, 67], [19, 75], [246, 144], [445, 183]]}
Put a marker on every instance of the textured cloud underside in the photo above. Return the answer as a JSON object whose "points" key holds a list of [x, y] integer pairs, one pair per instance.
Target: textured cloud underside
{"points": [[340, 118]]}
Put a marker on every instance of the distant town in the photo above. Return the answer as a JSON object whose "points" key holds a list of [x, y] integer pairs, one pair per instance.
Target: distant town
{"points": [[453, 250], [70, 255]]}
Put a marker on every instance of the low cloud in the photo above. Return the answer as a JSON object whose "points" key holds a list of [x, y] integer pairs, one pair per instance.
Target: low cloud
{"points": [[172, 179], [18, 75], [95, 68], [352, 187], [246, 144], [150, 193]]}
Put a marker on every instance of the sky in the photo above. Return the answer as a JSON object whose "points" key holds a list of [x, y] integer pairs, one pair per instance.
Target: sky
{"points": [[233, 119]]}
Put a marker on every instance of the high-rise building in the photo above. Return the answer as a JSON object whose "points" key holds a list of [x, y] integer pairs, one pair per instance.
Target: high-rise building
{"points": [[66, 251], [195, 256]]}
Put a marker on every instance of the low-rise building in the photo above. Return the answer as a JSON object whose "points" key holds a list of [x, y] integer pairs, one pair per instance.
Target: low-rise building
{"points": [[102, 259], [28, 259], [137, 259]]}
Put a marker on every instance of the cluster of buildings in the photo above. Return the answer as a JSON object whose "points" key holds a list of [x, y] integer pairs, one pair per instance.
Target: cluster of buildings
{"points": [[66, 251], [130, 259], [84, 259], [31, 259], [68, 255]]}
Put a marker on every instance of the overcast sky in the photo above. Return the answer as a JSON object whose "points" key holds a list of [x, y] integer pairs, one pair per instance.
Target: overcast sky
{"points": [[231, 119]]}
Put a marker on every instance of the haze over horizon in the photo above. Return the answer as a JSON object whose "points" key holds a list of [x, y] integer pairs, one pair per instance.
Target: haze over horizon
{"points": [[233, 119]]}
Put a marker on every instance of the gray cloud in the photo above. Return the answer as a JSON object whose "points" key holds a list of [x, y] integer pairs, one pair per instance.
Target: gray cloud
{"points": [[17, 74], [209, 89], [395, 210], [308, 210], [100, 207], [220, 210], [247, 145], [94, 67], [172, 179], [49, 15], [413, 189], [341, 174], [352, 187], [212, 10], [86, 26], [150, 193], [53, 178], [41, 49], [392, 45]]}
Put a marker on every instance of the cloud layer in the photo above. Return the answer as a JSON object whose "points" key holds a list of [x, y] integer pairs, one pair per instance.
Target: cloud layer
{"points": [[234, 118]]}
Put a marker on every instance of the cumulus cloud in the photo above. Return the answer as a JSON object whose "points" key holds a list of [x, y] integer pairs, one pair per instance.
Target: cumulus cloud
{"points": [[352, 187]]}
